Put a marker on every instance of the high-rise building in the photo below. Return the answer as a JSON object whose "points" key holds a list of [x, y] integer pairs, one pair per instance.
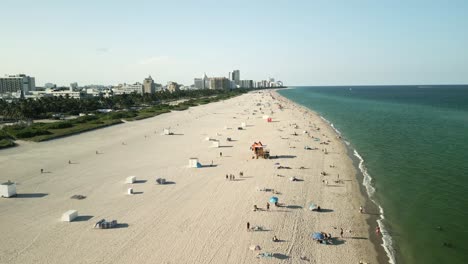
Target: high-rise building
{"points": [[128, 89], [148, 85], [17, 83], [50, 85], [235, 76], [173, 87], [198, 83], [73, 86], [206, 82], [220, 83], [246, 84]]}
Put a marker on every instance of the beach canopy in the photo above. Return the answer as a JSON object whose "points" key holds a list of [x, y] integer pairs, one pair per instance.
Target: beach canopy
{"points": [[312, 206], [274, 199], [317, 236]]}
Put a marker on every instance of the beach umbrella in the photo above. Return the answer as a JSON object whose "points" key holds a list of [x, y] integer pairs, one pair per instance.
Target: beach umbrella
{"points": [[317, 236], [312, 206], [273, 199], [255, 247]]}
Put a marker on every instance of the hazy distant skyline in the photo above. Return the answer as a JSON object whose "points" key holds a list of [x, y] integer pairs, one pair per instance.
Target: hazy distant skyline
{"points": [[299, 42]]}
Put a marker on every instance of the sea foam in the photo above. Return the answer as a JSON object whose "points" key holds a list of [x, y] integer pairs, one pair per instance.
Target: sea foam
{"points": [[367, 183]]}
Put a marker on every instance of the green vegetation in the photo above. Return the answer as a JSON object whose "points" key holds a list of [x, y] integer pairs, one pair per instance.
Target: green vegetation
{"points": [[46, 131], [46, 107], [24, 109], [5, 140]]}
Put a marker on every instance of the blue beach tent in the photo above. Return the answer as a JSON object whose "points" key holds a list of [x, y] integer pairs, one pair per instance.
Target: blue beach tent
{"points": [[317, 236]]}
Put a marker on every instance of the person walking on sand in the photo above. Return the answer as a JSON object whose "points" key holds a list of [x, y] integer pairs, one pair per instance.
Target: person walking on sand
{"points": [[377, 231], [220, 154], [268, 206], [341, 232], [248, 226], [361, 210], [69, 161], [226, 176], [42, 170]]}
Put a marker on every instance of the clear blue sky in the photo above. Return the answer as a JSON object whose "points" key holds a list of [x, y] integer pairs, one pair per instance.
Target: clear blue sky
{"points": [[302, 42]]}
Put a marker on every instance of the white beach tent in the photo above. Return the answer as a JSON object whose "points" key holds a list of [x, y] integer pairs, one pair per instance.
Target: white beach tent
{"points": [[243, 125], [130, 179], [69, 215], [7, 189], [167, 131], [215, 144], [193, 163]]}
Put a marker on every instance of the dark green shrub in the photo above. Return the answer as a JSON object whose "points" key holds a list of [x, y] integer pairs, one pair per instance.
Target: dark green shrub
{"points": [[59, 125]]}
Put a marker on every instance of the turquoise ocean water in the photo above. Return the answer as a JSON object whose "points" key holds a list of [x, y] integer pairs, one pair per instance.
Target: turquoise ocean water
{"points": [[413, 146]]}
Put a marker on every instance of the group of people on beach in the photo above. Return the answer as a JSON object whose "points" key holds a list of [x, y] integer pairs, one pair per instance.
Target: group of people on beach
{"points": [[255, 207], [231, 177]]}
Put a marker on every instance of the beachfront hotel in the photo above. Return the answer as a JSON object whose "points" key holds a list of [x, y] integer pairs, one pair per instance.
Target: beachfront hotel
{"points": [[149, 86], [17, 83]]}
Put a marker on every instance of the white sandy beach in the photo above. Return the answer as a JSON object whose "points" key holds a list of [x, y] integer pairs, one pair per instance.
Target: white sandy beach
{"points": [[201, 217]]}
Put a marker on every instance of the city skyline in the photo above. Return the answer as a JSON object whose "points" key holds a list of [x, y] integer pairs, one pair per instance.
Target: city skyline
{"points": [[301, 43]]}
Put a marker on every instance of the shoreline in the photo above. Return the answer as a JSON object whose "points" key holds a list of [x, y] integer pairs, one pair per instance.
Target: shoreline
{"points": [[201, 212], [370, 204]]}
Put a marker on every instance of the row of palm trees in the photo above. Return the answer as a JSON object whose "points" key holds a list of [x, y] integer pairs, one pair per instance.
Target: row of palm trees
{"points": [[46, 106]]}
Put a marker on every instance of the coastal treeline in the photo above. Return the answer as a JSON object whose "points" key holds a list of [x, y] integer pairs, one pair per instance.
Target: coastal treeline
{"points": [[125, 107], [45, 107]]}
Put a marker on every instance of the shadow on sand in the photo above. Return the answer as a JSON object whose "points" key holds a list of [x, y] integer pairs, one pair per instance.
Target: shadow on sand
{"points": [[283, 157], [322, 210], [82, 218], [209, 166], [293, 206], [363, 238], [139, 181], [31, 195], [280, 256], [167, 183]]}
